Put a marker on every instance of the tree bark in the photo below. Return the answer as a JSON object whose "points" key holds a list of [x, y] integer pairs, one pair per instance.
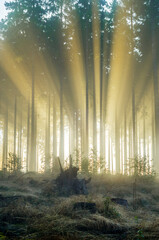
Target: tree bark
{"points": [[32, 161], [15, 123], [5, 138], [155, 83], [117, 143], [54, 132], [47, 137], [28, 137]]}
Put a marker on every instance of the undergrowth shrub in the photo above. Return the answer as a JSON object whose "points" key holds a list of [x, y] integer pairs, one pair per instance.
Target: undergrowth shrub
{"points": [[13, 163], [141, 167], [109, 210]]}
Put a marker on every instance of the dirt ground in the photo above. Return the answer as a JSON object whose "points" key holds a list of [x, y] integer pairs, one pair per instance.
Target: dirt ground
{"points": [[32, 208]]}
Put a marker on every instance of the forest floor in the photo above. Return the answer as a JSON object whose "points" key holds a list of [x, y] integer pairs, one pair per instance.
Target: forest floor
{"points": [[30, 208]]}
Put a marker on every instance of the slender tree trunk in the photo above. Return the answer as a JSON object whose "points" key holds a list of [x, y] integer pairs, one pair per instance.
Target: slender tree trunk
{"points": [[108, 152], [20, 133], [61, 97], [71, 134], [153, 133], [77, 139], [87, 98], [130, 147], [133, 84], [54, 133], [117, 144], [87, 137], [5, 138], [144, 135], [28, 137], [125, 144], [47, 137], [155, 83], [32, 162], [61, 124], [94, 127], [15, 123], [102, 142]]}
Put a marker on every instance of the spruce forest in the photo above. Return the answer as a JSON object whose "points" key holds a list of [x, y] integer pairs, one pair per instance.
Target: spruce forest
{"points": [[79, 119]]}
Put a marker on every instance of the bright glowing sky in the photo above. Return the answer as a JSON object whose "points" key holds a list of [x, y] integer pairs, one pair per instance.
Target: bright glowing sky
{"points": [[2, 9], [3, 12]]}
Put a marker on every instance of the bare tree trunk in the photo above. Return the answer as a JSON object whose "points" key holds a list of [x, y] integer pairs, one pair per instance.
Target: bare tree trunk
{"points": [[102, 130], [155, 83], [61, 124], [133, 88], [117, 144], [61, 97], [125, 144], [130, 147], [86, 145], [153, 134], [47, 137], [32, 162], [28, 137], [15, 123], [144, 136], [20, 132], [5, 139], [94, 128], [77, 139], [71, 133], [87, 133], [109, 152], [54, 133]]}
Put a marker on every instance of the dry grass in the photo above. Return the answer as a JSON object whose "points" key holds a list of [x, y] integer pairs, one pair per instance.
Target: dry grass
{"points": [[31, 209]]}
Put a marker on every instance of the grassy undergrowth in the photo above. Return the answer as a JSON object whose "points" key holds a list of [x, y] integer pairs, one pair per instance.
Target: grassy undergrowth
{"points": [[30, 208]]}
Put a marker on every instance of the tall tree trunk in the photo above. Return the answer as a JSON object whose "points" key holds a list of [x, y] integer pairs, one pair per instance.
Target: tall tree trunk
{"points": [[77, 139], [32, 162], [153, 133], [130, 147], [47, 136], [102, 146], [125, 144], [117, 143], [20, 133], [5, 138], [94, 127], [87, 125], [133, 84], [28, 137], [71, 133], [15, 123], [61, 97], [155, 82], [54, 133], [109, 152], [144, 135], [61, 124], [86, 145]]}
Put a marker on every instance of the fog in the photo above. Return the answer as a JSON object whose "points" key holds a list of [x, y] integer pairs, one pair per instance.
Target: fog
{"points": [[79, 78]]}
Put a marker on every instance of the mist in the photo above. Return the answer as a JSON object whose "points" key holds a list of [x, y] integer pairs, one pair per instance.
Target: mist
{"points": [[79, 88]]}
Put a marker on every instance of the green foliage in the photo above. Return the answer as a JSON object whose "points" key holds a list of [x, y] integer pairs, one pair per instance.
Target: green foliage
{"points": [[136, 219], [140, 234], [93, 160], [13, 163], [109, 210], [76, 157], [140, 166], [85, 165], [2, 236], [103, 168]]}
